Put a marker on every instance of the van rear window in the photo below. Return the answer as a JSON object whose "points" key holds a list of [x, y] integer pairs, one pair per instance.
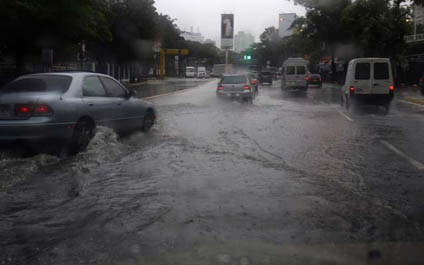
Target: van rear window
{"points": [[300, 70], [290, 70], [381, 71], [362, 71]]}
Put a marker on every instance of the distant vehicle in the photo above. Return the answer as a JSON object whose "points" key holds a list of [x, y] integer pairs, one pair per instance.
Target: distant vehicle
{"points": [[265, 77], [190, 71], [314, 80], [68, 107], [295, 72], [236, 86], [201, 72], [273, 71], [369, 81], [421, 84], [253, 68], [220, 69], [253, 78]]}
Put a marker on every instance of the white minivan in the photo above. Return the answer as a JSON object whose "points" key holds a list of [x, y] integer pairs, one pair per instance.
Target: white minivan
{"points": [[295, 73], [369, 81]]}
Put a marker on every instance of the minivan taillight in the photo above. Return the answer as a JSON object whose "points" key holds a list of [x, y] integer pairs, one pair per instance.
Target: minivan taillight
{"points": [[220, 88], [246, 87]]}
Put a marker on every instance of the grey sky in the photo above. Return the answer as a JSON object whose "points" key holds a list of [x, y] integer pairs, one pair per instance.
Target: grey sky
{"points": [[250, 15]]}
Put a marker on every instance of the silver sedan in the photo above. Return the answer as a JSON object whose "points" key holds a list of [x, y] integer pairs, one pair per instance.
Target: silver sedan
{"points": [[68, 107]]}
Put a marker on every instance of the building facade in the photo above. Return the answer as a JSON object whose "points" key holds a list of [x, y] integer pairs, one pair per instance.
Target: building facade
{"points": [[418, 14], [285, 20], [192, 36], [243, 41]]}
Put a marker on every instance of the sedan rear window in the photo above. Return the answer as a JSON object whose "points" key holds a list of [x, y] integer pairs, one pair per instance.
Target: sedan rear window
{"points": [[381, 71], [239, 79], [44, 83]]}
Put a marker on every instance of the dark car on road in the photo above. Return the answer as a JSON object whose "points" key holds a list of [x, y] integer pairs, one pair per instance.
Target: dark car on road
{"points": [[236, 86], [265, 77], [68, 107], [314, 80]]}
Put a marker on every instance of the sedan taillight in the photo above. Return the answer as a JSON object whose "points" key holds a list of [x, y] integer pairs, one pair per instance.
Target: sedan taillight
{"points": [[31, 110]]}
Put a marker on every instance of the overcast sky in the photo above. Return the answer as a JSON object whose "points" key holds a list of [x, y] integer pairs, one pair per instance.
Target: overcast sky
{"points": [[250, 15]]}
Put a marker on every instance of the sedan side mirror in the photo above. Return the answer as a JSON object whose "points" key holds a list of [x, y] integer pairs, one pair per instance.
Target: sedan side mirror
{"points": [[131, 93]]}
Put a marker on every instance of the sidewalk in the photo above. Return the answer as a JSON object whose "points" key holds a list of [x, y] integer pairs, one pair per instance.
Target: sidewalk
{"points": [[411, 95], [154, 87]]}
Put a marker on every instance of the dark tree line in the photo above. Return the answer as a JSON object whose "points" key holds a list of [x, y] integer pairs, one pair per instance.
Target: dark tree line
{"points": [[343, 29], [118, 31]]}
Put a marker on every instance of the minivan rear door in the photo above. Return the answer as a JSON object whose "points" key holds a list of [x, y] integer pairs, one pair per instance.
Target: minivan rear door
{"points": [[362, 78], [381, 77]]}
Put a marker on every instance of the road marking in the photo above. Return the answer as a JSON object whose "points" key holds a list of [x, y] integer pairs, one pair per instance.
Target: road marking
{"points": [[344, 115], [412, 161], [412, 103], [171, 93]]}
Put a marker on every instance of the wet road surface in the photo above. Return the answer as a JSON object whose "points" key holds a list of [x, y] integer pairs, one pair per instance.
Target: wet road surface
{"points": [[291, 179]]}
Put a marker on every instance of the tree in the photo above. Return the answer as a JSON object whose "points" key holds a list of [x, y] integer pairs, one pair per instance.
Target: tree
{"points": [[28, 26]]}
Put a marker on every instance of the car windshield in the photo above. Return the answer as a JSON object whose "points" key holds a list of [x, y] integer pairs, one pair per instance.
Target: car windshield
{"points": [[211, 132], [239, 79], [45, 83]]}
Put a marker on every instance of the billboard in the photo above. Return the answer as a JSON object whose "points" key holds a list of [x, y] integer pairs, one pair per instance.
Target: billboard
{"points": [[227, 31]]}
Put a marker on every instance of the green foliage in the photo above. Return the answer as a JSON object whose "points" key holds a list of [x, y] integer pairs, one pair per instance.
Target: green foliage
{"points": [[121, 31]]}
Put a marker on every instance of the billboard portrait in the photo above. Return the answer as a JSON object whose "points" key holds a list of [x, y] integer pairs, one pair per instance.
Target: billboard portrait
{"points": [[227, 31]]}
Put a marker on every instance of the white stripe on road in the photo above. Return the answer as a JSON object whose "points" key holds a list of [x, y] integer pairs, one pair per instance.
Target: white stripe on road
{"points": [[345, 116], [412, 161], [171, 93], [412, 103]]}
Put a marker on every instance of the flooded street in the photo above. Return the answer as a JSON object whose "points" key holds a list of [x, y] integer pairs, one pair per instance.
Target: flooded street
{"points": [[290, 179]]}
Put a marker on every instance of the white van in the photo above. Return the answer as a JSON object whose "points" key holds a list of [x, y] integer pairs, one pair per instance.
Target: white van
{"points": [[190, 71], [295, 73], [369, 81]]}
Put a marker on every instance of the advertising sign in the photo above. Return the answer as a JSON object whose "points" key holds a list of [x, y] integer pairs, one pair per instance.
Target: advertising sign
{"points": [[227, 31]]}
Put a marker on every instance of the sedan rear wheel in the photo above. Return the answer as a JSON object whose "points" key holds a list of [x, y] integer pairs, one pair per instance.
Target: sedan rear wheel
{"points": [[148, 121]]}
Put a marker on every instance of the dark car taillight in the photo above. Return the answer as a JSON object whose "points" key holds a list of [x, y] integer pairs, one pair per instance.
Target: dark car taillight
{"points": [[32, 110]]}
